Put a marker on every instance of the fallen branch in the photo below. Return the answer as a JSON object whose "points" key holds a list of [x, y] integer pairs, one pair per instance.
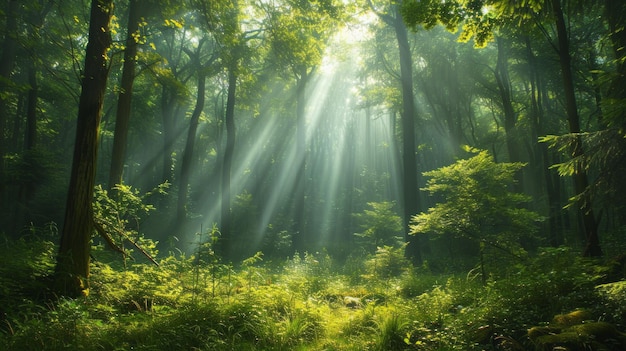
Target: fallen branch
{"points": [[109, 240]]}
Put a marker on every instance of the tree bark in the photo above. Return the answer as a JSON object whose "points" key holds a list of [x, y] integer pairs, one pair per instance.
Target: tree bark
{"points": [[7, 60], [72, 265], [168, 112], [410, 187], [504, 87], [185, 167], [541, 151], [120, 136], [299, 236], [581, 183], [229, 118]]}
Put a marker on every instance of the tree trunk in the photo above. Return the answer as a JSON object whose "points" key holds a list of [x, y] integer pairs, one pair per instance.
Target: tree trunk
{"points": [[410, 188], [541, 150], [185, 166], [581, 182], [504, 87], [7, 60], [168, 111], [226, 227], [616, 18], [299, 236], [120, 136], [72, 265]]}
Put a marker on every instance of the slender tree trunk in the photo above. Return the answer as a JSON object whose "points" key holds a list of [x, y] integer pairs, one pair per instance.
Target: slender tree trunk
{"points": [[7, 60], [504, 87], [299, 236], [226, 220], [27, 186], [185, 167], [616, 18], [410, 187], [120, 136], [541, 150], [581, 182], [168, 111], [72, 266]]}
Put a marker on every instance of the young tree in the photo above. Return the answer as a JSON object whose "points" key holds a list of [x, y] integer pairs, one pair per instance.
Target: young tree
{"points": [[72, 264], [480, 20], [478, 204]]}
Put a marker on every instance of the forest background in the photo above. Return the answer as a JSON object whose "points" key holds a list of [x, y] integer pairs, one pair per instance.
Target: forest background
{"points": [[463, 134]]}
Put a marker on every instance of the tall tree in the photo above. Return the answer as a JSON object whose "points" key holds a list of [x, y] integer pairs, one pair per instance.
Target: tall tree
{"points": [[229, 119], [185, 167], [124, 101], [72, 264], [411, 205], [480, 19], [581, 182], [7, 60]]}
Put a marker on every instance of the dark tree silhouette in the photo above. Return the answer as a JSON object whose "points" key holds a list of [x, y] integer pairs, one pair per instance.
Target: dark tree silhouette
{"points": [[72, 265]]}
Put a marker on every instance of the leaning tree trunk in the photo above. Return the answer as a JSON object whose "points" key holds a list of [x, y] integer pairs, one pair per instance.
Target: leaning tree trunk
{"points": [[72, 266], [120, 136], [581, 182]]}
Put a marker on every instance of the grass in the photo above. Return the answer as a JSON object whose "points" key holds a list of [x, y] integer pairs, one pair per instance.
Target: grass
{"points": [[305, 303]]}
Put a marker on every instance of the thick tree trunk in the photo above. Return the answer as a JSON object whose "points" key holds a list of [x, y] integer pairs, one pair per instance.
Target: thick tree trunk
{"points": [[410, 187], [229, 118], [72, 266], [120, 136], [581, 182]]}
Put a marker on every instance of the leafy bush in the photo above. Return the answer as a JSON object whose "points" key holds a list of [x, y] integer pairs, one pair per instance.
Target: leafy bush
{"points": [[381, 226], [387, 262]]}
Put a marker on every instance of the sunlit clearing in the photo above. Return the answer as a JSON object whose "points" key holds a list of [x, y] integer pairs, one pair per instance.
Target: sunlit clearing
{"points": [[337, 155]]}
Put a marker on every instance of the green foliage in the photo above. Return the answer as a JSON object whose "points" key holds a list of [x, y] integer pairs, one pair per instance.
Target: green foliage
{"points": [[198, 303], [478, 204], [119, 216], [387, 262], [381, 225]]}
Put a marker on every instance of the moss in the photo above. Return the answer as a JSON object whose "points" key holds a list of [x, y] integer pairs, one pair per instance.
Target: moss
{"points": [[568, 340], [535, 332], [586, 336], [572, 318], [600, 331]]}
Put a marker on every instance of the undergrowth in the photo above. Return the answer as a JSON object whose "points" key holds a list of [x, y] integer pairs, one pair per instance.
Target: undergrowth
{"points": [[308, 302]]}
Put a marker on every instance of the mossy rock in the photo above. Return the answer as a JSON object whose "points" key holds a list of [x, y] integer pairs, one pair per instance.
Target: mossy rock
{"points": [[587, 336], [536, 332], [572, 318], [600, 331]]}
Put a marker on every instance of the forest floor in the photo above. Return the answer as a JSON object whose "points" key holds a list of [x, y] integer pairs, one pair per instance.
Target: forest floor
{"points": [[553, 301]]}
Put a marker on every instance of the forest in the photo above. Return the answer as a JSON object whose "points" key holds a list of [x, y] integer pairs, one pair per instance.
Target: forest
{"points": [[313, 175]]}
